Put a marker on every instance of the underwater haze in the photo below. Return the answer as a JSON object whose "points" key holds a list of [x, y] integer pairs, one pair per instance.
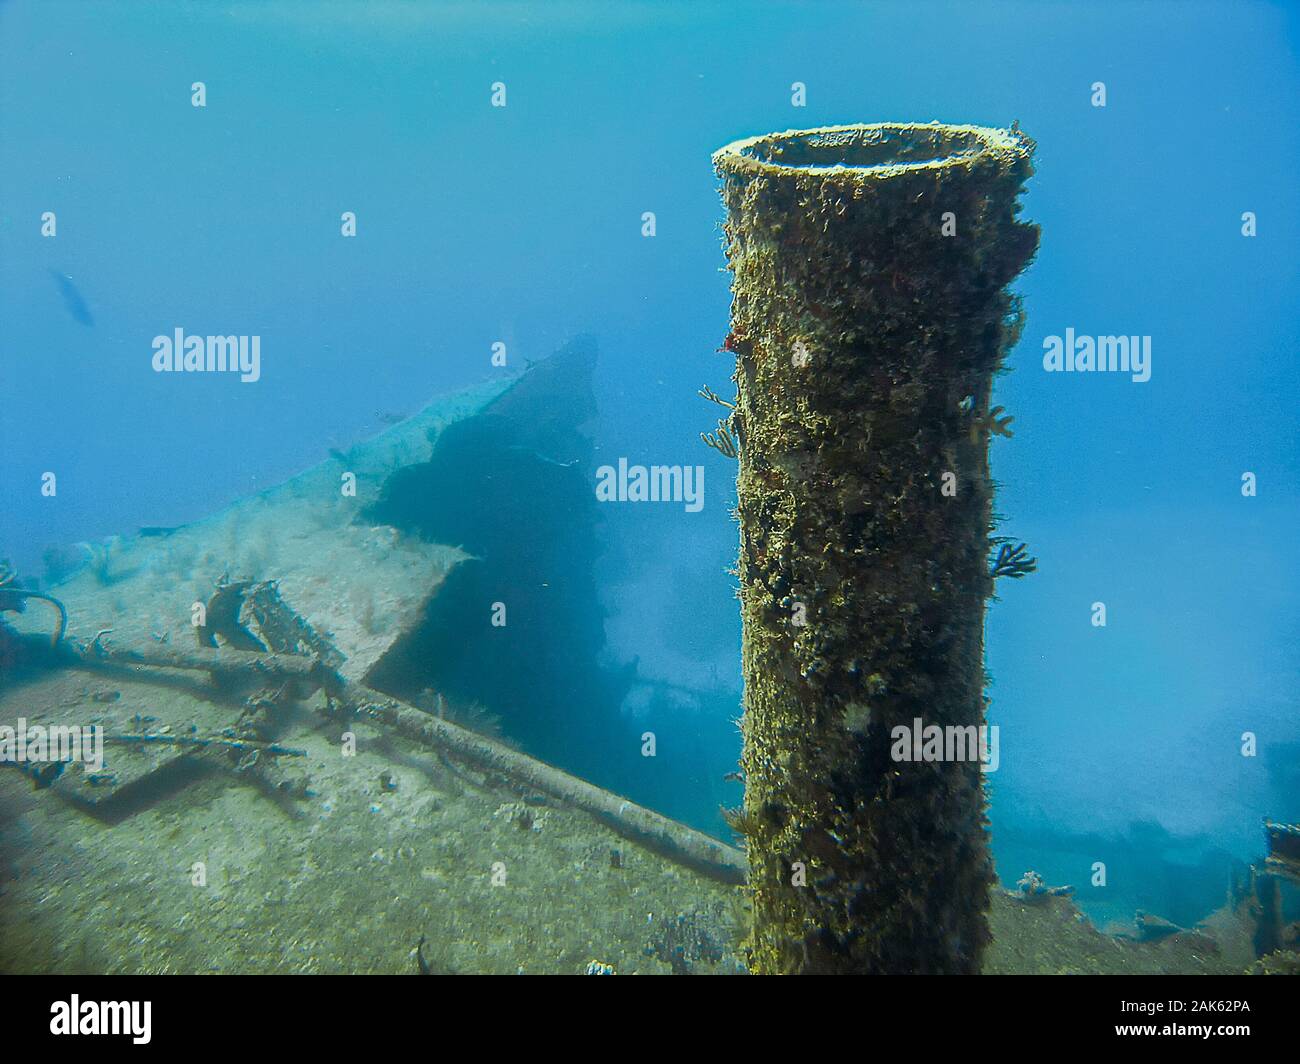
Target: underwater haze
{"points": [[530, 179]]}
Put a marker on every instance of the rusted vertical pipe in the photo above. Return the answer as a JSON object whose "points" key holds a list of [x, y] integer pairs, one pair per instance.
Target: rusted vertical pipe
{"points": [[869, 313]]}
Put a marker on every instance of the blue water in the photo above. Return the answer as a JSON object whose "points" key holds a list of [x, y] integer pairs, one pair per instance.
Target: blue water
{"points": [[523, 224]]}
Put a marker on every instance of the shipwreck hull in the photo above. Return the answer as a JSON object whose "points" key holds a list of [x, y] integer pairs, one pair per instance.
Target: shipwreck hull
{"points": [[267, 661]]}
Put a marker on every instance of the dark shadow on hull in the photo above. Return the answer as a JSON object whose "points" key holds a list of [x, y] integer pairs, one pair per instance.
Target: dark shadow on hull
{"points": [[511, 486]]}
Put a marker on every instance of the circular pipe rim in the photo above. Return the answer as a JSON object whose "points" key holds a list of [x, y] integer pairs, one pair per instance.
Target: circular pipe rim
{"points": [[970, 146]]}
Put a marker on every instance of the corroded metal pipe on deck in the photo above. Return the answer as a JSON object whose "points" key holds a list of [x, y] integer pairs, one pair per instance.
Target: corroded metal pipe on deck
{"points": [[869, 314]]}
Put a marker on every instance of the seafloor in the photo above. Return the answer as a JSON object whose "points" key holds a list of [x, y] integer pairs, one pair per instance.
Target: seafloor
{"points": [[351, 878], [348, 879]]}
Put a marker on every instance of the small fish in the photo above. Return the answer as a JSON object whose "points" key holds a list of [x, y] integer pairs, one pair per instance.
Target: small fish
{"points": [[419, 958], [154, 531], [72, 299], [390, 418]]}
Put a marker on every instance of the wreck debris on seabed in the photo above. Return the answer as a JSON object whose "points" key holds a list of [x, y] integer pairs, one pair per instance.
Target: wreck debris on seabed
{"points": [[1269, 893], [1040, 929], [14, 598]]}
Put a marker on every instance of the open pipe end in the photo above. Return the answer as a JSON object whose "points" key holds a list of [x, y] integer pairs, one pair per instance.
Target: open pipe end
{"points": [[873, 151]]}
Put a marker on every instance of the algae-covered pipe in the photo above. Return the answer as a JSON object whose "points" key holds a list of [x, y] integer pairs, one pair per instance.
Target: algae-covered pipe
{"points": [[869, 314]]}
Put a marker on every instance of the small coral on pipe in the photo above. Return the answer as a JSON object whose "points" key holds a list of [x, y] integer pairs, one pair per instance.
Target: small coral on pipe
{"points": [[1014, 562]]}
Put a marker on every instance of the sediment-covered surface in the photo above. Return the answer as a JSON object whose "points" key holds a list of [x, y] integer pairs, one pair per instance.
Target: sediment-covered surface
{"points": [[351, 878], [395, 844], [347, 879]]}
